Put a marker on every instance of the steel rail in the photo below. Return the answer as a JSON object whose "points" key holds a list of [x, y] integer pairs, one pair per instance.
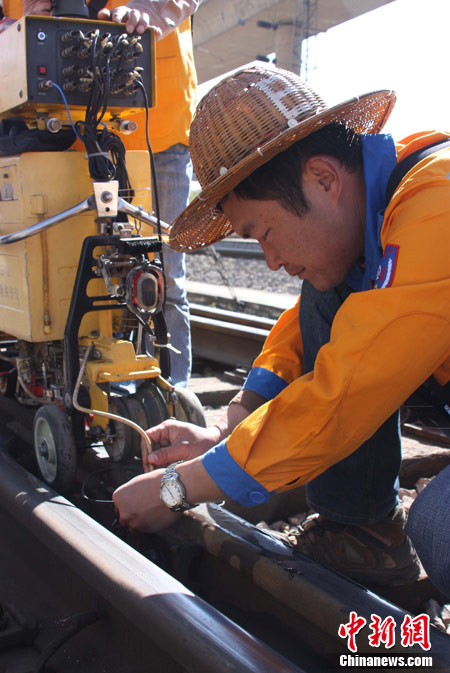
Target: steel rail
{"points": [[227, 337], [196, 635], [322, 598], [236, 247], [233, 317]]}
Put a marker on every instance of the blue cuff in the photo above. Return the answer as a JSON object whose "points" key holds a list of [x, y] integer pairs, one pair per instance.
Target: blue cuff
{"points": [[264, 382], [231, 478]]}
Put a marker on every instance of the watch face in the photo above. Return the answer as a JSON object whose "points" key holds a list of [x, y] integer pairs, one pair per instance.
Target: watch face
{"points": [[171, 493]]}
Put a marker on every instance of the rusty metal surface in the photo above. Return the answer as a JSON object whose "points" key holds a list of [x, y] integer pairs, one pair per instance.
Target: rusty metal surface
{"points": [[288, 601], [193, 634], [320, 597]]}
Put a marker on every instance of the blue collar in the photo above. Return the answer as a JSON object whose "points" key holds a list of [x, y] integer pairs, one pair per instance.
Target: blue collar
{"points": [[379, 160]]}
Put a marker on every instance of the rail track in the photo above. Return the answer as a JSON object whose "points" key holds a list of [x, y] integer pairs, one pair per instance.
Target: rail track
{"points": [[227, 337], [212, 593], [78, 598]]}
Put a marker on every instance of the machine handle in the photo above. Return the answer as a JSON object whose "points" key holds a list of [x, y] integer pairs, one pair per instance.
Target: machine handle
{"points": [[88, 204]]}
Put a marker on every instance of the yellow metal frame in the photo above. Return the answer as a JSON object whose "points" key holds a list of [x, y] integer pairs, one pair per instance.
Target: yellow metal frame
{"points": [[117, 362], [37, 274]]}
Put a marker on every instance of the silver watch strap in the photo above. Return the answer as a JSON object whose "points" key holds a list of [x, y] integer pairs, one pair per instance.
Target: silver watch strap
{"points": [[171, 473]]}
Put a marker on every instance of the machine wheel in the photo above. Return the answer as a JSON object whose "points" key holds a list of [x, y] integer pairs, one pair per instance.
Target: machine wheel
{"points": [[55, 448], [127, 442], [152, 399], [188, 407], [139, 414], [7, 381]]}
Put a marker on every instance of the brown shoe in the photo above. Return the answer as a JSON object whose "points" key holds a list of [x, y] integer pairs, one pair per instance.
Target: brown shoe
{"points": [[380, 554]]}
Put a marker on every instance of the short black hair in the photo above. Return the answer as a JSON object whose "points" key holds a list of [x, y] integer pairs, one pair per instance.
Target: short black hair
{"points": [[280, 178]]}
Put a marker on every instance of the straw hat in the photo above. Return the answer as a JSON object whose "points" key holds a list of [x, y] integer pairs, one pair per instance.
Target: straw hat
{"points": [[246, 120]]}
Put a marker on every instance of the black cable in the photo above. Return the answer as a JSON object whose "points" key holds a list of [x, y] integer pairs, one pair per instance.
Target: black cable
{"points": [[111, 143], [105, 470], [160, 326], [158, 319], [152, 161], [155, 196], [105, 150]]}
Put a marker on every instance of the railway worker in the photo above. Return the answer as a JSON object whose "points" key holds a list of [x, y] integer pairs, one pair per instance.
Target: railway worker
{"points": [[169, 123], [319, 406]]}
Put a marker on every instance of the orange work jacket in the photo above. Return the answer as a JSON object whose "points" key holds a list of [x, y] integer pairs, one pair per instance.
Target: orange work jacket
{"points": [[384, 344]]}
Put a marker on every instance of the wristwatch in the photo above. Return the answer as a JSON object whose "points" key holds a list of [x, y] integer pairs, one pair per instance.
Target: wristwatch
{"points": [[172, 491]]}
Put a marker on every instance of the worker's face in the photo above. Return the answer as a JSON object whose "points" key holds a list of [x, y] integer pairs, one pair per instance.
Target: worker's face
{"points": [[320, 246]]}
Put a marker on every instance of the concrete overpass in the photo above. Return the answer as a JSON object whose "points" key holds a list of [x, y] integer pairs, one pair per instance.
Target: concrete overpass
{"points": [[230, 33]]}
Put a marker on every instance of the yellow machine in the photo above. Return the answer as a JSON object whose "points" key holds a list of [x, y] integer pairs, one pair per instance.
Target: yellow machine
{"points": [[81, 282]]}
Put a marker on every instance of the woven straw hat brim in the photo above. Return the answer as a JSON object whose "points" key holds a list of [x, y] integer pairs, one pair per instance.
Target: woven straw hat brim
{"points": [[202, 224]]}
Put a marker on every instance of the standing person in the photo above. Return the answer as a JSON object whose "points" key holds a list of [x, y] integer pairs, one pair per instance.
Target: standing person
{"points": [[319, 406], [169, 123]]}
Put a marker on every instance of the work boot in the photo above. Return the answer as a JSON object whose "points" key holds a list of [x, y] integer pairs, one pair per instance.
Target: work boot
{"points": [[379, 554]]}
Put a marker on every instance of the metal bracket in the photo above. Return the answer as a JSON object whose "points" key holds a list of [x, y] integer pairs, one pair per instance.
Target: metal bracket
{"points": [[106, 196]]}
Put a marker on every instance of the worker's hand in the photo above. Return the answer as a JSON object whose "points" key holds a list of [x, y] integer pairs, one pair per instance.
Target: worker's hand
{"points": [[175, 440], [139, 506], [36, 7], [133, 19]]}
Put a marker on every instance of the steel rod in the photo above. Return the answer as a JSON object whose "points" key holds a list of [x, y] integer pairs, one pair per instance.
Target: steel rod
{"points": [[15, 236], [141, 214]]}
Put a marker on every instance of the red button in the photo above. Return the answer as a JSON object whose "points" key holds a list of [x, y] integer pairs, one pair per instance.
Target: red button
{"points": [[42, 70]]}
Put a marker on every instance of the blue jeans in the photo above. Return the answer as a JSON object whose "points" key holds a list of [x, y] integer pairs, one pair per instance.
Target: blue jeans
{"points": [[428, 527], [173, 176], [362, 488]]}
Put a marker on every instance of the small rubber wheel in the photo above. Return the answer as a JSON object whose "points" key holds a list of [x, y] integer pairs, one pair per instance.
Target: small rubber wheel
{"points": [[188, 407], [55, 449], [152, 399], [127, 441]]}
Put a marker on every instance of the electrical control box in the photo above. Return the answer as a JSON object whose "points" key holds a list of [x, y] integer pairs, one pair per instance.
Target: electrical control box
{"points": [[38, 52]]}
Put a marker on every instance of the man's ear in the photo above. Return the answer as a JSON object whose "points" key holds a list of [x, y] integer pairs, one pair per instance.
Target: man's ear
{"points": [[324, 173]]}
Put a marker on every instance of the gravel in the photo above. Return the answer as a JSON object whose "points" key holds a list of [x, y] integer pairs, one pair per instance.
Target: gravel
{"points": [[206, 267]]}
